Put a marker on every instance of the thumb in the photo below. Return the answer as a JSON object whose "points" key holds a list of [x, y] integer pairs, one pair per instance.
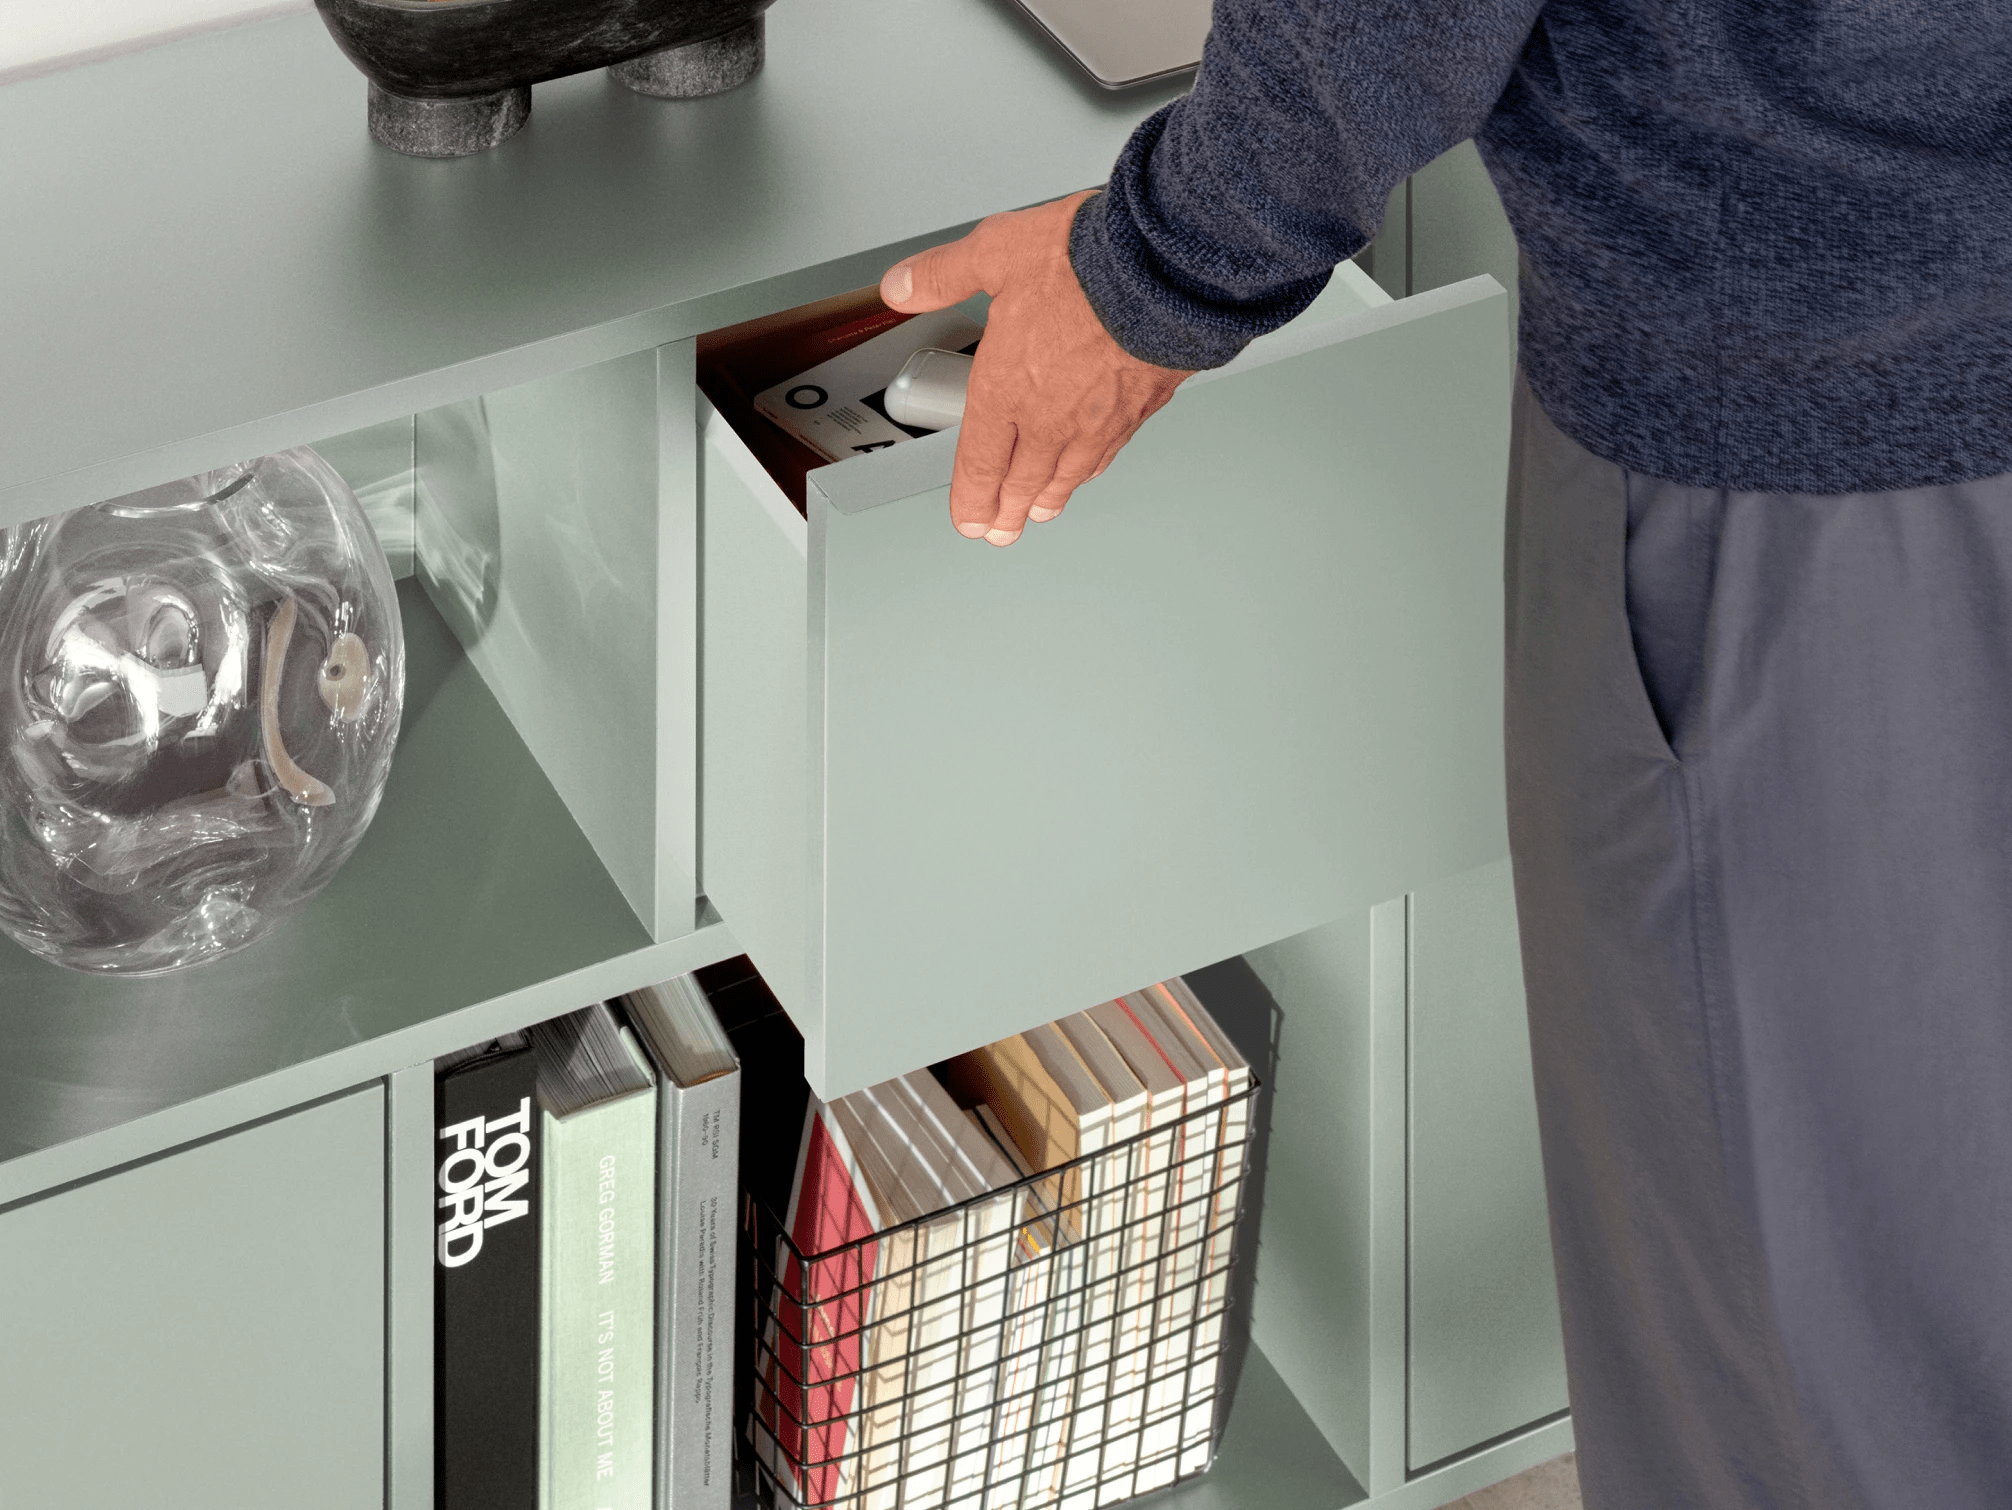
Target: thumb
{"points": [[932, 279]]}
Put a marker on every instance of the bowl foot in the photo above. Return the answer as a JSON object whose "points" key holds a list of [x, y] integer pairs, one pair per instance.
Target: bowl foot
{"points": [[446, 128], [697, 68]]}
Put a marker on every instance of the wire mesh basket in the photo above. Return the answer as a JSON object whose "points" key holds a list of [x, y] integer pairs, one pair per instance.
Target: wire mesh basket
{"points": [[1055, 1342]]}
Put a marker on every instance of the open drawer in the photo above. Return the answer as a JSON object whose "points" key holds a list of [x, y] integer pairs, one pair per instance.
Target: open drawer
{"points": [[1249, 680]]}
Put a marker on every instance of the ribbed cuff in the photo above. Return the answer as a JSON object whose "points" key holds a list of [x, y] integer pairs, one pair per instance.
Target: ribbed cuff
{"points": [[1150, 308]]}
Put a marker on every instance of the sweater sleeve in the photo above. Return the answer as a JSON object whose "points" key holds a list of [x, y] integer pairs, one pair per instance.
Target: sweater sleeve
{"points": [[1228, 210]]}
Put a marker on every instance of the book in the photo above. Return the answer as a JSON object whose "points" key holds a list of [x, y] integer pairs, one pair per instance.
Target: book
{"points": [[1034, 1282], [988, 1244], [880, 1438], [485, 1277], [598, 1104], [1016, 1474], [1141, 1453], [941, 1290], [837, 407], [1179, 1394], [1050, 1104], [698, 1180], [960, 1283], [826, 1265], [1184, 1011], [1119, 1270]]}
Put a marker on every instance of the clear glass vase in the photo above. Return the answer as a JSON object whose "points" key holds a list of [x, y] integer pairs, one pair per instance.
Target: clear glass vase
{"points": [[200, 690]]}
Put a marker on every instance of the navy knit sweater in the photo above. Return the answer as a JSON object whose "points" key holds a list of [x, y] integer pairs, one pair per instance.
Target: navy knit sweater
{"points": [[1768, 243]]}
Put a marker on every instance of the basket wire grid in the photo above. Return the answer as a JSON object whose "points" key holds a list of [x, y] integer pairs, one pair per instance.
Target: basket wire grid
{"points": [[1055, 1342]]}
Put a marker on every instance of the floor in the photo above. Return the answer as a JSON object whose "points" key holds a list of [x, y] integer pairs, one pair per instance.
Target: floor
{"points": [[1548, 1486]]}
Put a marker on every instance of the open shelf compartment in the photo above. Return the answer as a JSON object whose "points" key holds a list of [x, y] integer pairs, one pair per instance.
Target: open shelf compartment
{"points": [[538, 818]]}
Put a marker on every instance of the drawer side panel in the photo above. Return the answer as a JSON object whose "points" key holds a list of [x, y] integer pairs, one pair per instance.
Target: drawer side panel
{"points": [[752, 770]]}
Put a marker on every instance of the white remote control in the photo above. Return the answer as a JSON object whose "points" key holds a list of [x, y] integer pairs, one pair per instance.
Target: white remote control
{"points": [[928, 393]]}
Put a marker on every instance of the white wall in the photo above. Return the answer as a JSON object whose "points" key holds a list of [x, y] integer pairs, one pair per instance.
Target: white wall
{"points": [[37, 36]]}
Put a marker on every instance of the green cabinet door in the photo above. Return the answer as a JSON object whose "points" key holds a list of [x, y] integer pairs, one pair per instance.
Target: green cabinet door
{"points": [[204, 1331], [1485, 1351]]}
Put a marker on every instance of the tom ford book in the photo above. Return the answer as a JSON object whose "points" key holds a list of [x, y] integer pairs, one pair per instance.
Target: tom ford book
{"points": [[485, 1270]]}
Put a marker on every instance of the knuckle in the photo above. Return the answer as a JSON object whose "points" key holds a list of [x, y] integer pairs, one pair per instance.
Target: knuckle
{"points": [[985, 465]]}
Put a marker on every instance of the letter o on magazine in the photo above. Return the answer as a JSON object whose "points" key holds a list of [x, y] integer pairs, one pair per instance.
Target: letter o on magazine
{"points": [[515, 1141], [450, 1181]]}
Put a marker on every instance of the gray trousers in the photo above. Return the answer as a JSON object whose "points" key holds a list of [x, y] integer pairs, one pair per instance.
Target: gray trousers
{"points": [[1760, 804]]}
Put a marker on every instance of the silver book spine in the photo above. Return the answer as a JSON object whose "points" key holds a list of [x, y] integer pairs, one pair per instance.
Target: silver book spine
{"points": [[699, 1227]]}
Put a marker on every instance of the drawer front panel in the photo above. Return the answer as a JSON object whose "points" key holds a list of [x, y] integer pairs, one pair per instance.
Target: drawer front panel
{"points": [[1248, 682], [204, 1332]]}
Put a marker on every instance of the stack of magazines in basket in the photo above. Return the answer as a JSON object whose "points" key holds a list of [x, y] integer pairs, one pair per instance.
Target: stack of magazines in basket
{"points": [[1002, 1282]]}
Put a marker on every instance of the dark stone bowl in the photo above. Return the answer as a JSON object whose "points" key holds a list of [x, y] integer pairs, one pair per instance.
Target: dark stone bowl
{"points": [[453, 76]]}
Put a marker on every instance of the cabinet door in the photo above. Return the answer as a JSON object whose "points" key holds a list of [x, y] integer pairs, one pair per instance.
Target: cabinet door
{"points": [[205, 1331], [1486, 1353], [1250, 680]]}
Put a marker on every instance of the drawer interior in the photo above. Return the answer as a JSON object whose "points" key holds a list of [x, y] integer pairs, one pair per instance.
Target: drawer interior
{"points": [[740, 361]]}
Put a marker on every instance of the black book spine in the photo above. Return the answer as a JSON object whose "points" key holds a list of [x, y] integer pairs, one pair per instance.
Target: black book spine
{"points": [[487, 1166]]}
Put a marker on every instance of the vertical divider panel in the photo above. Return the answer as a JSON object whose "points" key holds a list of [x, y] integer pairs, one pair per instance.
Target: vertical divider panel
{"points": [[1389, 992], [678, 589], [1310, 1314], [539, 537], [1486, 1356], [408, 1278]]}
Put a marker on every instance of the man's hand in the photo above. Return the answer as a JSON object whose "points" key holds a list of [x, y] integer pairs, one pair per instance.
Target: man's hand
{"points": [[1052, 396]]}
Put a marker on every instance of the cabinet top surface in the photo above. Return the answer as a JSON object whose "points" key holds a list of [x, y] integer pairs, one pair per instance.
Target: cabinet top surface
{"points": [[204, 254]]}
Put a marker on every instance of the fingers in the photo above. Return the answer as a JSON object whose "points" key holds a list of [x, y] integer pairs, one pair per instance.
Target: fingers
{"points": [[1079, 462], [1111, 453], [1052, 395], [985, 444], [932, 279], [1030, 475]]}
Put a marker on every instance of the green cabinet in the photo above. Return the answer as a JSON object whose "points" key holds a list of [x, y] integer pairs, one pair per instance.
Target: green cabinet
{"points": [[204, 1331], [655, 718], [1485, 1352]]}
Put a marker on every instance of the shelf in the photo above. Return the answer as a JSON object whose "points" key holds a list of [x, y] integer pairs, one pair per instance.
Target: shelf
{"points": [[297, 280], [473, 906]]}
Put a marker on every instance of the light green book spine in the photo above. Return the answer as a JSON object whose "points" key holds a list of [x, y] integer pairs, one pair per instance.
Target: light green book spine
{"points": [[598, 1307]]}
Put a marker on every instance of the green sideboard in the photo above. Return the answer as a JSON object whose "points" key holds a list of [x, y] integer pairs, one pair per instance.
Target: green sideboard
{"points": [[1242, 700]]}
